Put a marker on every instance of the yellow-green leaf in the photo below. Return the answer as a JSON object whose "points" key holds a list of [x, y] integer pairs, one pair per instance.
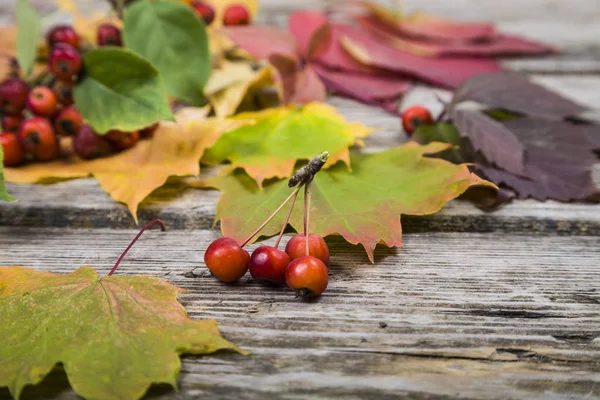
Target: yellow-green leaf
{"points": [[281, 136], [115, 336], [363, 205]]}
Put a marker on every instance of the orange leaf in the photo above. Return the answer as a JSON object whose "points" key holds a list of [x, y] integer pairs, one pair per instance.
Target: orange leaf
{"points": [[175, 150]]}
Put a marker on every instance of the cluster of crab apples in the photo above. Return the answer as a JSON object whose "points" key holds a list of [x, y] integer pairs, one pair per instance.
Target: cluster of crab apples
{"points": [[303, 264], [36, 115]]}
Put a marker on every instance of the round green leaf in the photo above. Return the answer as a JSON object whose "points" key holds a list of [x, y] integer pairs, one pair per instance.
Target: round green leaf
{"points": [[174, 39], [29, 25], [121, 90]]}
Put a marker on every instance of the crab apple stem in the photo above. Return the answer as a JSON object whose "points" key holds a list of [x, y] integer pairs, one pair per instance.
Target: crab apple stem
{"points": [[295, 192], [148, 225], [287, 219], [307, 214]]}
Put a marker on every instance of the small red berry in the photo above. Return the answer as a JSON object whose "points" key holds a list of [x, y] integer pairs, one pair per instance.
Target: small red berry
{"points": [[68, 121], [11, 123], [268, 264], [13, 153], [122, 140], [226, 259], [64, 61], [204, 11], [414, 116], [13, 95], [307, 276], [148, 131], [317, 247], [109, 35], [64, 92], [63, 34], [42, 101], [37, 137], [236, 14], [88, 144]]}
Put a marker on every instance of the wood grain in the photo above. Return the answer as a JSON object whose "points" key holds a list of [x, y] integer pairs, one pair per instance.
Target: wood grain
{"points": [[482, 316]]}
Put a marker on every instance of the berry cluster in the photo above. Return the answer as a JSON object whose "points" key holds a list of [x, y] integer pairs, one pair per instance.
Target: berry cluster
{"points": [[234, 15], [303, 264], [35, 115]]}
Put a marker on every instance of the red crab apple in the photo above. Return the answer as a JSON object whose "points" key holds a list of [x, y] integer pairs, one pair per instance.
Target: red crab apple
{"points": [[226, 259]]}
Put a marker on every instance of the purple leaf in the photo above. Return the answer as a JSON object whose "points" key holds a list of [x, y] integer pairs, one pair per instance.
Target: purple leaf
{"points": [[515, 92]]}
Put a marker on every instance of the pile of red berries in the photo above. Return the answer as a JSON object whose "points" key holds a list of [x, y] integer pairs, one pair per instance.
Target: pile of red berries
{"points": [[234, 15], [303, 266], [33, 118]]}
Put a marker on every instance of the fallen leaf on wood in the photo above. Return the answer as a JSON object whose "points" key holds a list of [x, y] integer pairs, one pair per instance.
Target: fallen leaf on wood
{"points": [[502, 45], [226, 101], [515, 92], [281, 136], [432, 28], [115, 335], [536, 151], [308, 87], [130, 176], [363, 205], [445, 72], [495, 141], [370, 89], [313, 46], [559, 160]]}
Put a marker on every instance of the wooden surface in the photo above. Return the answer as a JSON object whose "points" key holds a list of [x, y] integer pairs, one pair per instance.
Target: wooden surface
{"points": [[475, 305]]}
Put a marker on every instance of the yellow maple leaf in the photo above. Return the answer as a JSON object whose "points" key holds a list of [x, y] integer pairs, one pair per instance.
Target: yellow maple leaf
{"points": [[130, 176]]}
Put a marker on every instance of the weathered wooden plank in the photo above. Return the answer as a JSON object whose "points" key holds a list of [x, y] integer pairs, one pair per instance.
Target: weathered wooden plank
{"points": [[482, 316], [83, 203]]}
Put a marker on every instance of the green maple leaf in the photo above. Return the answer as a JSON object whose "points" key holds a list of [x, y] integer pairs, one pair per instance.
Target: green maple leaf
{"points": [[283, 135], [115, 335], [363, 205]]}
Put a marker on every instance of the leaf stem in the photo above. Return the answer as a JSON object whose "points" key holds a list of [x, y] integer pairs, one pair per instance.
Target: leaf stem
{"points": [[295, 192], [287, 219], [307, 214], [148, 225]]}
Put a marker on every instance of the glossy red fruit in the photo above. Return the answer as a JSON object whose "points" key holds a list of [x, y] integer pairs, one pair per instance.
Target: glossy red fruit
{"points": [[63, 34], [64, 61], [88, 144], [317, 247], [11, 123], [13, 95], [307, 276], [68, 121], [268, 264], [148, 131], [109, 35], [123, 140], [204, 11], [226, 259], [37, 137], [42, 101], [13, 153], [414, 116], [236, 14], [64, 92]]}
